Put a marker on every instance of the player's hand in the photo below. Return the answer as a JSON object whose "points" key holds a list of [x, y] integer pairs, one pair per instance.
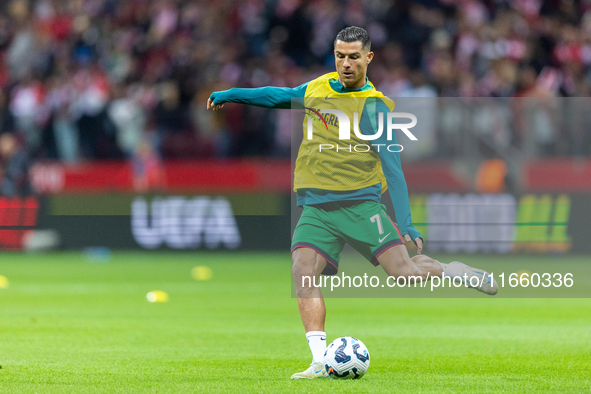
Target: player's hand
{"points": [[212, 106], [418, 242]]}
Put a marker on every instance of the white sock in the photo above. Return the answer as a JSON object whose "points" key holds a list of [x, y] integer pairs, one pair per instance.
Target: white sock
{"points": [[317, 343], [452, 270]]}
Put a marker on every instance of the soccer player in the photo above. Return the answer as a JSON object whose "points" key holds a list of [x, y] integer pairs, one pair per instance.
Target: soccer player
{"points": [[340, 191]]}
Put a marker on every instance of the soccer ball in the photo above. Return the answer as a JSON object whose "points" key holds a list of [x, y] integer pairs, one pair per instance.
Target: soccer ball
{"points": [[347, 358]]}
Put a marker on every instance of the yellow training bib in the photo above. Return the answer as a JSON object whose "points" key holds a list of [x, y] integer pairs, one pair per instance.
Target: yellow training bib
{"points": [[348, 165]]}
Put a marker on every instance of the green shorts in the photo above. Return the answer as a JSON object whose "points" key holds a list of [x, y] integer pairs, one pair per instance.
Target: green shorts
{"points": [[362, 224]]}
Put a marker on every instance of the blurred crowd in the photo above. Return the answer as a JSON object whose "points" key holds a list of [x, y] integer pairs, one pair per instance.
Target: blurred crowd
{"points": [[113, 79]]}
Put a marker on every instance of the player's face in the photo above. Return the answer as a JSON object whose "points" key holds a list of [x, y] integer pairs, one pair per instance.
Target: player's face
{"points": [[351, 61]]}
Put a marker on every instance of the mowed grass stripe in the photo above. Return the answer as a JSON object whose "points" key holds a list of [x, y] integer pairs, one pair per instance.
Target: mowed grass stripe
{"points": [[72, 325]]}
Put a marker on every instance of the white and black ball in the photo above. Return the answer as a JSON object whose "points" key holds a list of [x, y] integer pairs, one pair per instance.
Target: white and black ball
{"points": [[346, 358]]}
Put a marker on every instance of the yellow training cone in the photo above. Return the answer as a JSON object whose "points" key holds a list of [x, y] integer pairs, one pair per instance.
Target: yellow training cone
{"points": [[157, 296], [3, 282], [201, 272]]}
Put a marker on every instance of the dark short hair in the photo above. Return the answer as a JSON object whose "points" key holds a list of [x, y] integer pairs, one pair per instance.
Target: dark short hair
{"points": [[354, 33]]}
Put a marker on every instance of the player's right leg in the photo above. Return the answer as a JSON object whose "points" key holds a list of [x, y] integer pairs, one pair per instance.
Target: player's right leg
{"points": [[306, 269], [316, 250]]}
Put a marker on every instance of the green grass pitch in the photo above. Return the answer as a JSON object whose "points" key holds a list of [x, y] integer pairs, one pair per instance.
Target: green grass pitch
{"points": [[74, 326]]}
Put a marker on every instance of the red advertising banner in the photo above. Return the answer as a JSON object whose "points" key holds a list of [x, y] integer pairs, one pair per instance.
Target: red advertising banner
{"points": [[250, 176], [566, 175], [18, 216], [216, 176], [210, 176]]}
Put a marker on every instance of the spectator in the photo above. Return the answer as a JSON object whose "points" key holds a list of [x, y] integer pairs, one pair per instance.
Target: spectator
{"points": [[89, 76], [15, 167]]}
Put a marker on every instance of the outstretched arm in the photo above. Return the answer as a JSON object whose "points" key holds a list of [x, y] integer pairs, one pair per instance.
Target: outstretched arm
{"points": [[267, 97], [392, 169]]}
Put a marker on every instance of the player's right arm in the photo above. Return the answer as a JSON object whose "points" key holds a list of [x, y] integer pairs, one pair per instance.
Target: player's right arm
{"points": [[266, 97]]}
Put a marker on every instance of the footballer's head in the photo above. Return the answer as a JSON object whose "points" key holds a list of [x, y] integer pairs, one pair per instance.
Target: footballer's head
{"points": [[352, 51]]}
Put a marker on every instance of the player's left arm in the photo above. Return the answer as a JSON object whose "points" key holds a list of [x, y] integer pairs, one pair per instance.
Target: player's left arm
{"points": [[392, 168]]}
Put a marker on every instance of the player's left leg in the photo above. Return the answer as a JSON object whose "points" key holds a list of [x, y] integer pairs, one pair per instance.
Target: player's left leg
{"points": [[396, 262], [379, 240], [425, 262], [373, 234], [482, 283]]}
